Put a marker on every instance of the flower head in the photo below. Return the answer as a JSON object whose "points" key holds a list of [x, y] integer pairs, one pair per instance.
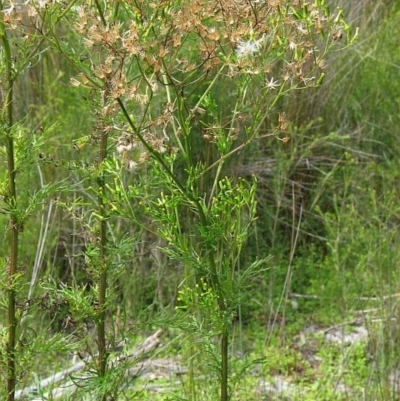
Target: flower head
{"points": [[272, 84], [247, 48], [122, 148]]}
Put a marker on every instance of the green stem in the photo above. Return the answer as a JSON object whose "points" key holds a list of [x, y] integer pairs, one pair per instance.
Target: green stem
{"points": [[155, 155], [102, 298], [7, 122], [101, 13]]}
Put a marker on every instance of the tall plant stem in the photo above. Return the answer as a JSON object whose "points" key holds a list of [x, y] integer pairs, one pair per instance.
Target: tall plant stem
{"points": [[101, 333], [224, 365], [7, 122], [101, 329]]}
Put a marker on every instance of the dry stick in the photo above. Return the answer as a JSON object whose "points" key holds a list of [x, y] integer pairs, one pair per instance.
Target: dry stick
{"points": [[44, 226], [382, 298], [303, 296]]}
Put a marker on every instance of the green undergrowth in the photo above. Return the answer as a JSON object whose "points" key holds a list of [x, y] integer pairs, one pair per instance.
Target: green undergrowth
{"points": [[307, 368]]}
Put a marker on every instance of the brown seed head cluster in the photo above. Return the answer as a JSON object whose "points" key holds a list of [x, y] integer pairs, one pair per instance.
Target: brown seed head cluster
{"points": [[140, 52]]}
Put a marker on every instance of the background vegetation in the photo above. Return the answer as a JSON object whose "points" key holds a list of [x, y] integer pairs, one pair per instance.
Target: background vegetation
{"points": [[320, 240]]}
